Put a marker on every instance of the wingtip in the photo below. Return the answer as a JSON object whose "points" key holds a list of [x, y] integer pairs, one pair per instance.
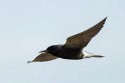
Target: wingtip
{"points": [[105, 18], [29, 62]]}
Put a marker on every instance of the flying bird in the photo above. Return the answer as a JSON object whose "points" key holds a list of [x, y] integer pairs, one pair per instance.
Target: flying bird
{"points": [[73, 47]]}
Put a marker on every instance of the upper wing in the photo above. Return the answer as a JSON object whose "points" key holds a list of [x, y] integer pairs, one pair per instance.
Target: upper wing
{"points": [[82, 39], [44, 57]]}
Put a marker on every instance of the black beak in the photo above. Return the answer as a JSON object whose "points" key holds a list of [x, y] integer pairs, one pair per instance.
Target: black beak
{"points": [[43, 51]]}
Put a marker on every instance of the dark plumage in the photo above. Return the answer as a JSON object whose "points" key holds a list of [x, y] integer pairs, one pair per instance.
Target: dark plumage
{"points": [[73, 47]]}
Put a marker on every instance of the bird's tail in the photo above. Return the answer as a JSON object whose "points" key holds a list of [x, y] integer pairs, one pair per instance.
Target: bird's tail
{"points": [[97, 56], [90, 55]]}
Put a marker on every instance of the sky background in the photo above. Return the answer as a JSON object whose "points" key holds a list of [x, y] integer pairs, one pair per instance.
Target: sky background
{"points": [[29, 26]]}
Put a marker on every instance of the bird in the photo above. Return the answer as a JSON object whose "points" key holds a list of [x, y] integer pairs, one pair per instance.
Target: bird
{"points": [[72, 49]]}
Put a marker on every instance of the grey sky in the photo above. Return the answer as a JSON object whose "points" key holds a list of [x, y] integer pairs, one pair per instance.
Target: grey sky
{"points": [[29, 26]]}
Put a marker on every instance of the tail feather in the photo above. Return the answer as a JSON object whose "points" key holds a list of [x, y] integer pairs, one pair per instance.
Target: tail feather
{"points": [[90, 55], [97, 56]]}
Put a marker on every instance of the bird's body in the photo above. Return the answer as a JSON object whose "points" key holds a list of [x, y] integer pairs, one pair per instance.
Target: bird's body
{"points": [[73, 47], [66, 52]]}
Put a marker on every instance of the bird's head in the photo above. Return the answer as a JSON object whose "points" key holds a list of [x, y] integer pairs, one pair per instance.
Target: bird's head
{"points": [[52, 49]]}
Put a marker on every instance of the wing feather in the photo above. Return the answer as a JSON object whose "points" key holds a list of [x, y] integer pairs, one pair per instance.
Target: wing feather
{"points": [[81, 40], [44, 57]]}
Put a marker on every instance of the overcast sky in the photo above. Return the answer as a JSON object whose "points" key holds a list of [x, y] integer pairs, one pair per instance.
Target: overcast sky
{"points": [[29, 26]]}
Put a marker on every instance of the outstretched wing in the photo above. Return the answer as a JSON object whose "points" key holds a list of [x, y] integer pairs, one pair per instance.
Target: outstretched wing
{"points": [[82, 39], [44, 57]]}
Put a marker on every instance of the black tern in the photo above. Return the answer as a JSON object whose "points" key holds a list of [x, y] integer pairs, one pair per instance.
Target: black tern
{"points": [[73, 47]]}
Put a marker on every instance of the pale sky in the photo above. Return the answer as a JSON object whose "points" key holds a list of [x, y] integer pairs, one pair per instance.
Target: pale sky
{"points": [[29, 26]]}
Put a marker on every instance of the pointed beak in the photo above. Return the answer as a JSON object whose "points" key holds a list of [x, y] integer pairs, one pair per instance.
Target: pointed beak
{"points": [[43, 51]]}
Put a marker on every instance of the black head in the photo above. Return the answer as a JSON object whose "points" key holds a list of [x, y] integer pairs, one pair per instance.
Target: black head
{"points": [[54, 49]]}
